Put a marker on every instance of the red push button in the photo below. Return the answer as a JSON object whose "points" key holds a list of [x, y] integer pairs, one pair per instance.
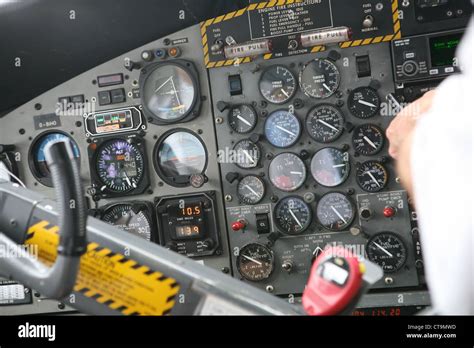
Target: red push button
{"points": [[389, 212], [238, 225]]}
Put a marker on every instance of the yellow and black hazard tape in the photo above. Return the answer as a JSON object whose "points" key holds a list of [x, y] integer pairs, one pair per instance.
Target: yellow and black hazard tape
{"points": [[256, 6], [109, 278]]}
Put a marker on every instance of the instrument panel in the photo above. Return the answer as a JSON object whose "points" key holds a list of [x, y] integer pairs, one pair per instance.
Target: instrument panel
{"points": [[251, 150]]}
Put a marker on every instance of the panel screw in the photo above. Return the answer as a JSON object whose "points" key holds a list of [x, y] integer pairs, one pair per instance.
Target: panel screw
{"points": [[269, 288], [388, 280], [219, 120], [228, 198]]}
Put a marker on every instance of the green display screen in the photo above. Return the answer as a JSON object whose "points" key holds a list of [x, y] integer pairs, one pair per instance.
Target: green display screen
{"points": [[443, 49]]}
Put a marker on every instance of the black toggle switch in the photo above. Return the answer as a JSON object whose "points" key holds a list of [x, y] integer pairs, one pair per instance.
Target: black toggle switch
{"points": [[263, 223], [222, 106], [231, 177], [363, 66], [235, 85]]}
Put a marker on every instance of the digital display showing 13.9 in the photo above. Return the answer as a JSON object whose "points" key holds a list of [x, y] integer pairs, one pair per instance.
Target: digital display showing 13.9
{"points": [[187, 220], [443, 49]]}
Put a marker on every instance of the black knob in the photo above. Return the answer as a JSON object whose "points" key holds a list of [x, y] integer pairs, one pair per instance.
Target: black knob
{"points": [[221, 106]]}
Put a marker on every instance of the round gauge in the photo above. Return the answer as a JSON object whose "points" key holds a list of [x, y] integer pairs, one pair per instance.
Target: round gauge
{"points": [[368, 139], [335, 211], [169, 91], [250, 189], [325, 123], [255, 262], [388, 251], [178, 155], [242, 118], [287, 172], [319, 78], [282, 129], [247, 154], [4, 175], [372, 176], [119, 165], [37, 156], [330, 167], [277, 84], [124, 217], [293, 215], [363, 102]]}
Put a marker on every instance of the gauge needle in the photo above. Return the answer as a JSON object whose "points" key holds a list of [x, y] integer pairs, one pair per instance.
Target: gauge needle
{"points": [[296, 219], [338, 214], [372, 177], [327, 87], [286, 131], [370, 142], [253, 260], [251, 190], [383, 249], [339, 165], [284, 92], [363, 102], [164, 83], [244, 121], [175, 91], [246, 153], [296, 173], [327, 125]]}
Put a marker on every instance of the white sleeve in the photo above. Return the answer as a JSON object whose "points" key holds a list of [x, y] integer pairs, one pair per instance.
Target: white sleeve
{"points": [[442, 167]]}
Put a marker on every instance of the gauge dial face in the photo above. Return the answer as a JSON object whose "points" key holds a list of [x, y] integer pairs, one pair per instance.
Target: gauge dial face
{"points": [[282, 129], [242, 118], [39, 167], [293, 215], [255, 262], [319, 78], [368, 139], [287, 172], [330, 167], [325, 123], [169, 92], [180, 155], [122, 216], [363, 102], [388, 251], [119, 165], [251, 189], [247, 154], [372, 176], [335, 211], [277, 84]]}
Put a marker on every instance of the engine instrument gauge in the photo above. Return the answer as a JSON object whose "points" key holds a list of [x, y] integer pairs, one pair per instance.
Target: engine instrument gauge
{"points": [[372, 176], [119, 165], [250, 189], [169, 91], [287, 172], [255, 262], [363, 102], [247, 154], [388, 251], [319, 78], [292, 215], [335, 211], [242, 118], [330, 167], [178, 155], [368, 139], [124, 217], [277, 84], [325, 123], [37, 156], [282, 129]]}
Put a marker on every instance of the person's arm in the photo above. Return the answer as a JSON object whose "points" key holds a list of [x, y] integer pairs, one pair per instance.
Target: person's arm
{"points": [[432, 142]]}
